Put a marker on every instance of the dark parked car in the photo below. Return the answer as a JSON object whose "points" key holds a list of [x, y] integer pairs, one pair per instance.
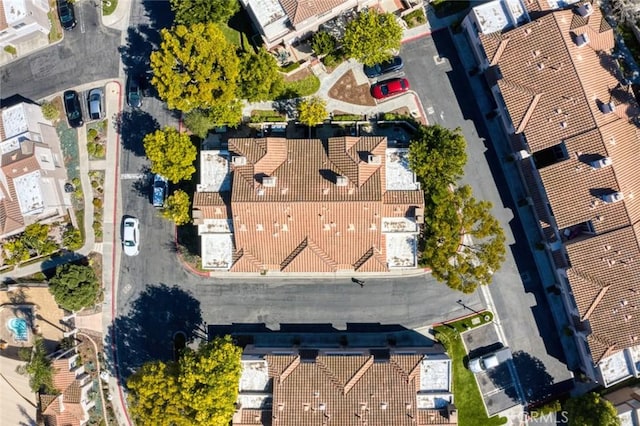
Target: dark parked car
{"points": [[72, 107], [392, 65], [134, 95], [387, 88], [66, 14], [95, 104]]}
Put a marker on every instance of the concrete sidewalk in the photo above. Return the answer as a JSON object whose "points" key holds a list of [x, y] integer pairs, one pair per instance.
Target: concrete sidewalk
{"points": [[119, 19]]}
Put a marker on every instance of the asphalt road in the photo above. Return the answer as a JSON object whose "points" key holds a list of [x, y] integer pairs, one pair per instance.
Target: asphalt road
{"points": [[432, 66], [87, 53]]}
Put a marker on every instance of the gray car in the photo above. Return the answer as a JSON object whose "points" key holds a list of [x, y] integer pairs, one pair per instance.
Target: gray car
{"points": [[95, 104]]}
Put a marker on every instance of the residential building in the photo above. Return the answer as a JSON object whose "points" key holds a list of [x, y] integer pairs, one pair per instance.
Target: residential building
{"points": [[354, 386], [627, 403], [70, 407], [21, 20], [32, 171], [298, 205], [572, 127], [283, 22]]}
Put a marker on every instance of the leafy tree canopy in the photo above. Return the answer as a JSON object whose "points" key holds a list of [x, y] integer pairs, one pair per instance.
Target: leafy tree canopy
{"points": [[323, 43], [591, 409], [171, 153], [202, 11], [437, 156], [40, 369], [199, 122], [312, 111], [196, 67], [201, 388], [72, 238], [177, 208], [372, 37], [74, 286], [464, 244], [259, 78]]}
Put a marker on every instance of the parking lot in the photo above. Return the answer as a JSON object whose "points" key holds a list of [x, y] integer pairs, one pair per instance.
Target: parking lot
{"points": [[499, 386]]}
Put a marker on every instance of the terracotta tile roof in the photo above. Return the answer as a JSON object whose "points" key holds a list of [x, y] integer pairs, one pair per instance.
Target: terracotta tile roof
{"points": [[543, 54], [611, 261], [300, 10], [304, 220], [348, 390], [3, 25], [253, 417], [64, 409], [62, 377]]}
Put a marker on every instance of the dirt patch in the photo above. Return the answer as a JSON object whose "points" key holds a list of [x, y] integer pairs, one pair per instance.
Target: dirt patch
{"points": [[299, 75], [347, 90]]}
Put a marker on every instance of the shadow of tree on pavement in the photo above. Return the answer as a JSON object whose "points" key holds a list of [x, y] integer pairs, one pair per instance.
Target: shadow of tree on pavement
{"points": [[133, 126], [146, 332], [536, 383]]}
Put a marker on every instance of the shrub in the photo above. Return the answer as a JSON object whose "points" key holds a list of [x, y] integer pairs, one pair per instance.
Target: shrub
{"points": [[262, 116], [50, 111], [346, 117], [97, 203], [72, 238], [330, 60], [290, 67], [415, 18], [323, 43], [10, 50], [92, 134]]}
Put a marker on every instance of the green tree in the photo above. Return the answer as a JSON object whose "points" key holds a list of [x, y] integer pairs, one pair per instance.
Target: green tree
{"points": [[372, 37], [40, 369], [177, 208], [591, 409], [199, 122], [200, 388], [50, 111], [196, 67], [171, 153], [323, 43], [202, 11], [259, 77], [312, 111], [72, 238], [74, 286], [437, 156], [464, 244]]}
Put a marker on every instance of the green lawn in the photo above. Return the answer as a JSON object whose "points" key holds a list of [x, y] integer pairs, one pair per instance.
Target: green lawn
{"points": [[232, 36], [108, 6], [305, 87], [467, 397]]}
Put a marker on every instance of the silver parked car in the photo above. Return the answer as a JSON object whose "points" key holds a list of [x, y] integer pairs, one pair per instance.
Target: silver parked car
{"points": [[95, 104], [131, 236]]}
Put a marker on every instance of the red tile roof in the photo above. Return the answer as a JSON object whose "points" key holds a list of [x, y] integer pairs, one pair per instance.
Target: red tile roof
{"points": [[306, 222], [554, 92], [300, 10]]}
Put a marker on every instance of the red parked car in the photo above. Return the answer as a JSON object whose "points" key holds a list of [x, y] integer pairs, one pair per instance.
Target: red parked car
{"points": [[387, 88]]}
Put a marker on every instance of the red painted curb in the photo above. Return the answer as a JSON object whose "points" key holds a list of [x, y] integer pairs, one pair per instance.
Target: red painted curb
{"points": [[113, 269], [459, 318], [185, 264]]}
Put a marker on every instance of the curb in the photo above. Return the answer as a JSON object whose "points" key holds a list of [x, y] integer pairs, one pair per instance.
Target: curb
{"points": [[113, 270], [187, 267]]}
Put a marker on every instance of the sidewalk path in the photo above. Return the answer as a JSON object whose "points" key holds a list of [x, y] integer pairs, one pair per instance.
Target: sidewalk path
{"points": [[119, 19]]}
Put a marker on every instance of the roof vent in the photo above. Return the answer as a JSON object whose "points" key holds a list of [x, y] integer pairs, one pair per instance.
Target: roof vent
{"points": [[238, 160], [582, 40], [322, 406], [540, 66], [374, 159], [613, 197], [342, 180], [603, 162], [585, 9], [608, 108], [269, 181], [383, 405]]}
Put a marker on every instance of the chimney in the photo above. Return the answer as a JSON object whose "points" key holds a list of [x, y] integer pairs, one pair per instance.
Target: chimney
{"points": [[342, 180], [238, 160], [585, 9], [607, 108], [269, 181], [582, 40]]}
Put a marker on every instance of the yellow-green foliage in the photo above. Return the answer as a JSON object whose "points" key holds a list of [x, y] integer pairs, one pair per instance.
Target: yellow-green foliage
{"points": [[171, 153], [196, 67], [200, 389], [312, 111], [177, 208]]}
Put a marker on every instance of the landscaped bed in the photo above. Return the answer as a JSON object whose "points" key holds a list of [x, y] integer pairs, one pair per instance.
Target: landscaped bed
{"points": [[347, 90], [96, 140], [97, 185], [467, 396]]}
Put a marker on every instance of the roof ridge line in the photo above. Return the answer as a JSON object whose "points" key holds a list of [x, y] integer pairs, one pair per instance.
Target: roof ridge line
{"points": [[358, 374]]}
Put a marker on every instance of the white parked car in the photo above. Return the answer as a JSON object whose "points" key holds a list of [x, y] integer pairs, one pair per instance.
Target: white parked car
{"points": [[489, 361], [130, 237]]}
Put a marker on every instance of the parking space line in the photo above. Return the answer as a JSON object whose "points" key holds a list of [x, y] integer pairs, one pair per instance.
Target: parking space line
{"points": [[81, 19], [132, 176]]}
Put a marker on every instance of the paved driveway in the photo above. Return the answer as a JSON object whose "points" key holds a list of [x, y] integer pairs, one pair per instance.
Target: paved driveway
{"points": [[436, 74], [87, 53]]}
